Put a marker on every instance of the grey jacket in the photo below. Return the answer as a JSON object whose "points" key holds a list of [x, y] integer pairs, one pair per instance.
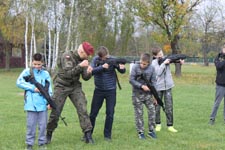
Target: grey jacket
{"points": [[163, 76], [135, 78]]}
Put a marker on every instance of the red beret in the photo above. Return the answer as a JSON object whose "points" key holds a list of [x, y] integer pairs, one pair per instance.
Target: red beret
{"points": [[88, 48]]}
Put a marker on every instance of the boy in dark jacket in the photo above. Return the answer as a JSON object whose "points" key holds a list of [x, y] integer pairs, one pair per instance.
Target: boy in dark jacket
{"points": [[105, 79]]}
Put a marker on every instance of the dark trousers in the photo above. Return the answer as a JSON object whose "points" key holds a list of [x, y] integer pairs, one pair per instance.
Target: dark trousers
{"points": [[97, 101]]}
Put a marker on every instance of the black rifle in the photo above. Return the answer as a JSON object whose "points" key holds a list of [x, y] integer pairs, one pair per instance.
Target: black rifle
{"points": [[153, 91], [43, 91], [174, 58], [111, 61]]}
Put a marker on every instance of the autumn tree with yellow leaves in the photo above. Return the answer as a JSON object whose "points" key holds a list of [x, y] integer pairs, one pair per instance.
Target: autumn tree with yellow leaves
{"points": [[169, 15]]}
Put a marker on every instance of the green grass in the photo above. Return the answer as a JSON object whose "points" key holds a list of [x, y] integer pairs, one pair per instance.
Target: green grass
{"points": [[193, 99]]}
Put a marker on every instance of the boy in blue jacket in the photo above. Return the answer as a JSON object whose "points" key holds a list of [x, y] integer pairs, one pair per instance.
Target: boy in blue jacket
{"points": [[34, 103]]}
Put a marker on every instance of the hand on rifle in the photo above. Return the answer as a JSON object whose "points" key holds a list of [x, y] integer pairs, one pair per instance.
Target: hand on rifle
{"points": [[121, 66], [181, 61], [145, 88], [89, 69], [167, 61], [49, 107], [155, 101], [36, 90], [105, 66]]}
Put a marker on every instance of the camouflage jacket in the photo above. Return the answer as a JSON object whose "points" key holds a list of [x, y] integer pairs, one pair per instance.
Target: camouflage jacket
{"points": [[69, 70]]}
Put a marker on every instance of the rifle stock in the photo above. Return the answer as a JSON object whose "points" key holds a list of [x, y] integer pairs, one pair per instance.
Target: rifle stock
{"points": [[112, 61]]}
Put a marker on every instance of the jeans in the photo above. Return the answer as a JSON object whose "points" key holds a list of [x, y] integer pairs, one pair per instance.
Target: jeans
{"points": [[220, 95], [97, 101]]}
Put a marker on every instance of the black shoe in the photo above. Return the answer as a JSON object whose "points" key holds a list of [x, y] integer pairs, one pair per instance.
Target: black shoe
{"points": [[88, 137], [49, 137], [29, 147]]}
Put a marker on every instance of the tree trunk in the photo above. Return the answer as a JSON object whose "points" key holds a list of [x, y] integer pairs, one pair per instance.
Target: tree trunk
{"points": [[204, 49], [7, 56], [176, 50]]}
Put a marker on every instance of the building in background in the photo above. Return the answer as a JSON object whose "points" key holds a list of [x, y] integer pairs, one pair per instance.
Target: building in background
{"points": [[16, 54]]}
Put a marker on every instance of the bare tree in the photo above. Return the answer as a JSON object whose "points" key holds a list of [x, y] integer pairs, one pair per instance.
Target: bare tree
{"points": [[207, 16]]}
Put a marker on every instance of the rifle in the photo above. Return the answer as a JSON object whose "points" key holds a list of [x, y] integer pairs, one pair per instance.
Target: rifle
{"points": [[153, 91], [112, 61], [173, 58], [45, 94]]}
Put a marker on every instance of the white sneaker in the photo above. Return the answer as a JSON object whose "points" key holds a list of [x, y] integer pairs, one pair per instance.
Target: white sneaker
{"points": [[158, 127]]}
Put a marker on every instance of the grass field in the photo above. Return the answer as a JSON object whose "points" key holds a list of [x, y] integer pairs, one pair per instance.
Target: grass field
{"points": [[193, 99]]}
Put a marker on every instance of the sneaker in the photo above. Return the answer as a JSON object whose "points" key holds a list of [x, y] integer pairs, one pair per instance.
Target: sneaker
{"points": [[108, 139], [83, 138], [29, 147], [158, 127], [141, 136], [171, 129], [152, 134], [211, 121], [42, 147]]}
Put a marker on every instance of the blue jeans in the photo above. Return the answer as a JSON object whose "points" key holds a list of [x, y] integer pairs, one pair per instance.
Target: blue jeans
{"points": [[97, 101], [34, 120]]}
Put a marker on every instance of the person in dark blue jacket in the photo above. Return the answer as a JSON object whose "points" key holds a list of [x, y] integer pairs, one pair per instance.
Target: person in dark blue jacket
{"points": [[105, 79]]}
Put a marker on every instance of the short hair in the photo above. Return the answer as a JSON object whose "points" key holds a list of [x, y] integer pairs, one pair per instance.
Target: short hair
{"points": [[156, 50], [37, 57], [145, 57], [102, 51]]}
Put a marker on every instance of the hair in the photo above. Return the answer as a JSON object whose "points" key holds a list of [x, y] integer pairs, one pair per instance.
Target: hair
{"points": [[156, 50], [102, 51], [37, 57], [145, 57]]}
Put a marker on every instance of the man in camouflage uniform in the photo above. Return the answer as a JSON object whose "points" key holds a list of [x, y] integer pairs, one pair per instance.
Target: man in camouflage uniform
{"points": [[71, 65]]}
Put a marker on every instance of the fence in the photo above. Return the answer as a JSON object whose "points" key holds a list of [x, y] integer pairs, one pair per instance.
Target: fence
{"points": [[188, 59]]}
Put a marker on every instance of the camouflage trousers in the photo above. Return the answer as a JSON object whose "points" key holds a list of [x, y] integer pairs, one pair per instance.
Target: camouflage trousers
{"points": [[168, 102], [79, 101], [139, 100]]}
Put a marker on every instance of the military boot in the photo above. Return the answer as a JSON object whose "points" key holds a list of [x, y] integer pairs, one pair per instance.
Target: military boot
{"points": [[48, 137], [88, 137]]}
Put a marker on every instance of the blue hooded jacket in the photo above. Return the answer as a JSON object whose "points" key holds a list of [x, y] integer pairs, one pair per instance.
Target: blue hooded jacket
{"points": [[34, 101]]}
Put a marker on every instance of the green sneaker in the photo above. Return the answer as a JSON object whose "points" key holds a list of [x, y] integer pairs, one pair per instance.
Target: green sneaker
{"points": [[158, 127], [171, 129]]}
